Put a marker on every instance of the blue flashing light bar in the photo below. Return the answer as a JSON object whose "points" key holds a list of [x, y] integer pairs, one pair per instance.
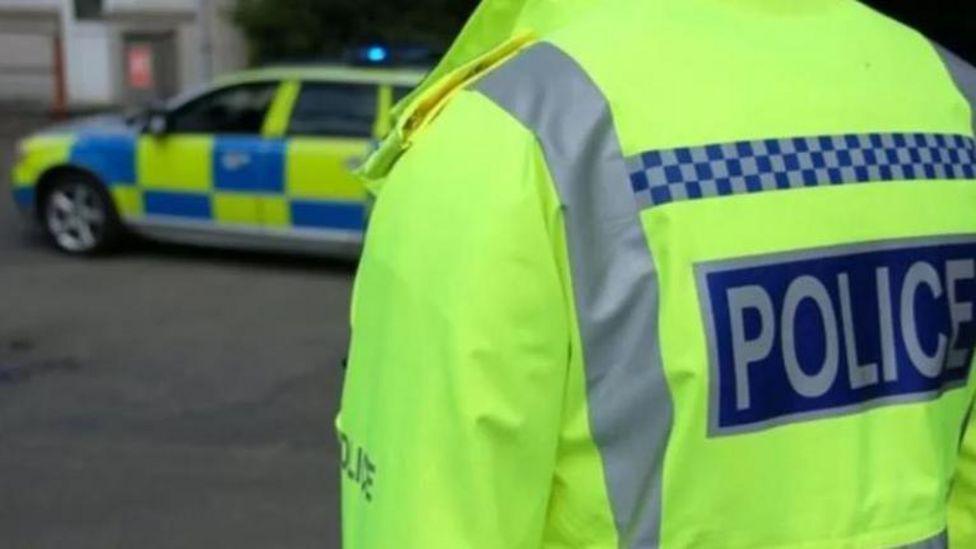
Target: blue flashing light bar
{"points": [[377, 54]]}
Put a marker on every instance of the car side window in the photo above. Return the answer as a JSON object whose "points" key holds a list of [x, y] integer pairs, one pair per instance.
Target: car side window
{"points": [[334, 109], [235, 110]]}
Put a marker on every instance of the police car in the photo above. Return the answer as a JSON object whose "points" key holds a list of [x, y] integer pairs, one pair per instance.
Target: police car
{"points": [[260, 159]]}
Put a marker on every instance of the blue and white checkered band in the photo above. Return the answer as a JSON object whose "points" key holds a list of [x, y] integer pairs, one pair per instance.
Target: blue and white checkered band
{"points": [[664, 176]]}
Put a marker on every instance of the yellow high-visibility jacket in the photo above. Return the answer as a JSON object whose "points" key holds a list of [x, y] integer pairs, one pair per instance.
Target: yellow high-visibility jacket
{"points": [[670, 273]]}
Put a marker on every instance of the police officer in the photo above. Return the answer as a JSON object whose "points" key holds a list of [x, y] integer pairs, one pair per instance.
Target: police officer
{"points": [[670, 273]]}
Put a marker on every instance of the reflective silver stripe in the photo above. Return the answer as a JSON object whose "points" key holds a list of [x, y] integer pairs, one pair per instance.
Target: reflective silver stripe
{"points": [[938, 542], [614, 279], [963, 74]]}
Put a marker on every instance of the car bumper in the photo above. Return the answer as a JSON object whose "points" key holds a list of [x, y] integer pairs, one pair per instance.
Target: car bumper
{"points": [[23, 193], [24, 199]]}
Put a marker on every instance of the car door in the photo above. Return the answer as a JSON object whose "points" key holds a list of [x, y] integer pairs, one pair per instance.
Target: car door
{"points": [[329, 134], [213, 164]]}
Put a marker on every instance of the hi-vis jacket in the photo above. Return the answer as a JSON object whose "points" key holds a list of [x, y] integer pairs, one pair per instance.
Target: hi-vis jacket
{"points": [[670, 273]]}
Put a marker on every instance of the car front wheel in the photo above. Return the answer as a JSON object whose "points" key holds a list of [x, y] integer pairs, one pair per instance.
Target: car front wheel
{"points": [[79, 218]]}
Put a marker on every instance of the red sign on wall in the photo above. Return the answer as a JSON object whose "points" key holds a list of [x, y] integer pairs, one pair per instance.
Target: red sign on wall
{"points": [[139, 59]]}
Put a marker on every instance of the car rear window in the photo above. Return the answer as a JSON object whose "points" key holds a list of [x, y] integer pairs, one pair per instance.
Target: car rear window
{"points": [[334, 109]]}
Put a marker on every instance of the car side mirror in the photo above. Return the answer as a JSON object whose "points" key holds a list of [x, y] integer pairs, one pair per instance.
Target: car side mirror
{"points": [[157, 123]]}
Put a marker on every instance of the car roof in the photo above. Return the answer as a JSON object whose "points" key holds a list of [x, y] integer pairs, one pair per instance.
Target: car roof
{"points": [[327, 73]]}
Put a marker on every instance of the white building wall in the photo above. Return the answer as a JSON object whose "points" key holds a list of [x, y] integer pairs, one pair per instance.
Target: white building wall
{"points": [[26, 61], [89, 63], [228, 49], [31, 5], [207, 45], [142, 6], [190, 59], [28, 30]]}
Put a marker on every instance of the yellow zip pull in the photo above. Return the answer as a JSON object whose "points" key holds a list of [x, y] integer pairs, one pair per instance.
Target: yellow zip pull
{"points": [[429, 104]]}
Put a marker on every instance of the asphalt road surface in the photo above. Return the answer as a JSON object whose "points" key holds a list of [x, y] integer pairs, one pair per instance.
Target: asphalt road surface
{"points": [[165, 397]]}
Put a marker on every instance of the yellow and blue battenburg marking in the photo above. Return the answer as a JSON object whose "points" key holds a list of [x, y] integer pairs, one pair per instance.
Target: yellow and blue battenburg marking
{"points": [[110, 156], [38, 155], [666, 176], [227, 180]]}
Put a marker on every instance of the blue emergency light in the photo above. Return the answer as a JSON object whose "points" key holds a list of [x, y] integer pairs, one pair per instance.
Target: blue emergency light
{"points": [[377, 54]]}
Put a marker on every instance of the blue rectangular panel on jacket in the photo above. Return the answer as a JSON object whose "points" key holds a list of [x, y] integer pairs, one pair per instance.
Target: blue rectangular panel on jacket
{"points": [[805, 335]]}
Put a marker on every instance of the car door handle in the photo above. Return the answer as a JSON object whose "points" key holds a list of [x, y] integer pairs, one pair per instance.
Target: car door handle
{"points": [[234, 161]]}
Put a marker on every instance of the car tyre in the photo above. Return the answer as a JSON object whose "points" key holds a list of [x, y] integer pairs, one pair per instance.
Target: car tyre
{"points": [[79, 217]]}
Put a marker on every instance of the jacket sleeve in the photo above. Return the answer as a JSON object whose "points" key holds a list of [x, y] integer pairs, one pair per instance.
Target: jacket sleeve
{"points": [[962, 501], [452, 402]]}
